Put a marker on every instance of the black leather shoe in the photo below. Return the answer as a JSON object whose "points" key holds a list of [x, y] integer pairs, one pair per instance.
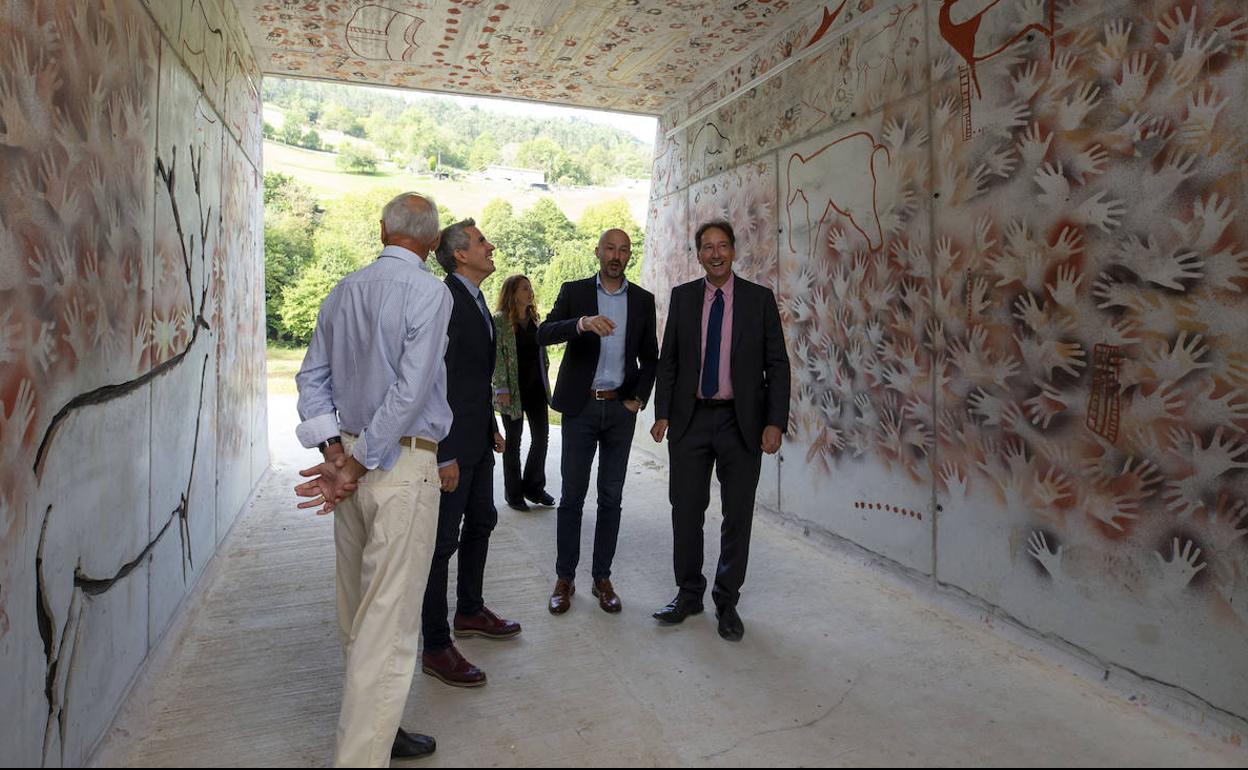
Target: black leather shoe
{"points": [[519, 505], [541, 498], [680, 608], [730, 625], [412, 745]]}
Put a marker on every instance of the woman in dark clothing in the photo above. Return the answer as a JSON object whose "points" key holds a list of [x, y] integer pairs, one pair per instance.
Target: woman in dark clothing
{"points": [[522, 389]]}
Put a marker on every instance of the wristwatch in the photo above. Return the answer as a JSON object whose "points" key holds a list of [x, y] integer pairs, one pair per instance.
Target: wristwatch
{"points": [[324, 445]]}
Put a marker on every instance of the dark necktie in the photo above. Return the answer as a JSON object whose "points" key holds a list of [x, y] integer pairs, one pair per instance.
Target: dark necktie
{"points": [[714, 332], [485, 311]]}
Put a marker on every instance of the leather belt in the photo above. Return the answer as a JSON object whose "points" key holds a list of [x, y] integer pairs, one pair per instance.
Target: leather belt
{"points": [[413, 442], [604, 395], [712, 403]]}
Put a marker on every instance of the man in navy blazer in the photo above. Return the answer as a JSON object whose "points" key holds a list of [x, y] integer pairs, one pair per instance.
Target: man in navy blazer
{"points": [[467, 515], [722, 400], [605, 379]]}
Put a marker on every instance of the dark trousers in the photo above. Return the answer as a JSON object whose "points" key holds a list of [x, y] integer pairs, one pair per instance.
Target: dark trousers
{"points": [[533, 482], [605, 425], [472, 505], [712, 439]]}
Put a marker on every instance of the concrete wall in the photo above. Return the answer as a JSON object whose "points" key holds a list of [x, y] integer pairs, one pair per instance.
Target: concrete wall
{"points": [[1005, 244], [131, 341]]}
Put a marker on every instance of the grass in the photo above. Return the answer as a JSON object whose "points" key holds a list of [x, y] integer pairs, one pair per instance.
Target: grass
{"points": [[319, 171], [284, 363]]}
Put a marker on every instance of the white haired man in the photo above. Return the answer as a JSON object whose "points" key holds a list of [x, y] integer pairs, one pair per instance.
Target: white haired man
{"points": [[372, 398]]}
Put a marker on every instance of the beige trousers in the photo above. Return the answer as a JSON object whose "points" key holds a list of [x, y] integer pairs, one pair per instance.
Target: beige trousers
{"points": [[384, 536]]}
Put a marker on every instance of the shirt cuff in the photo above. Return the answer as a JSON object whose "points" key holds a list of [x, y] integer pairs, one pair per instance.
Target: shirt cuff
{"points": [[314, 430], [445, 463], [360, 453], [502, 391], [579, 328]]}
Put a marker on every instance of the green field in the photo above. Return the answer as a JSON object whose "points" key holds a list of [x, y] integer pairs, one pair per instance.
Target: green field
{"points": [[465, 198]]}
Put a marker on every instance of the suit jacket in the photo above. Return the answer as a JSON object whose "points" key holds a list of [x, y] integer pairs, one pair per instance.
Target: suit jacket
{"points": [[470, 356], [580, 360], [759, 361], [507, 368]]}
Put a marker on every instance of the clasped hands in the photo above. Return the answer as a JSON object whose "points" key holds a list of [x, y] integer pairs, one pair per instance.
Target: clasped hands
{"points": [[331, 481]]}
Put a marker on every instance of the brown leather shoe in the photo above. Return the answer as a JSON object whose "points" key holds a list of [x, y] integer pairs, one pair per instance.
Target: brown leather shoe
{"points": [[452, 668], [561, 599], [487, 624], [607, 598]]}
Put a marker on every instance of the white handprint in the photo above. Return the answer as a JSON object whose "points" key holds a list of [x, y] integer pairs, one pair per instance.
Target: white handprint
{"points": [[1180, 568], [1038, 548], [1090, 162], [1072, 111], [1132, 85], [1033, 145]]}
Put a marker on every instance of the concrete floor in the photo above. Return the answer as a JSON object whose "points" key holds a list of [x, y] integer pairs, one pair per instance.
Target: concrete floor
{"points": [[841, 665]]}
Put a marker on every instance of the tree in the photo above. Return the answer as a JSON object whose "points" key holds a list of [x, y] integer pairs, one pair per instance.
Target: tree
{"points": [[291, 217], [311, 140], [484, 152], [354, 158], [302, 301]]}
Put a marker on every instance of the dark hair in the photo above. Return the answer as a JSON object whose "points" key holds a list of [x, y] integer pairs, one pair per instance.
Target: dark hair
{"points": [[718, 224], [453, 237]]}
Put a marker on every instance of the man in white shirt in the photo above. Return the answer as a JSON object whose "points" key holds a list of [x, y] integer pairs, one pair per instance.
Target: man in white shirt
{"points": [[372, 397]]}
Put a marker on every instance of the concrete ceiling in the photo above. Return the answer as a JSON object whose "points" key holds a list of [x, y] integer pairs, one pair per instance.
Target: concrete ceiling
{"points": [[626, 55]]}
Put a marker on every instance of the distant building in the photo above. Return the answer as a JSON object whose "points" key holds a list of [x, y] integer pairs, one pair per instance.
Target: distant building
{"points": [[520, 176]]}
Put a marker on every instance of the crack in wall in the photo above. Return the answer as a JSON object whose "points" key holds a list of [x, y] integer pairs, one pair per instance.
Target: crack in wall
{"points": [[56, 678]]}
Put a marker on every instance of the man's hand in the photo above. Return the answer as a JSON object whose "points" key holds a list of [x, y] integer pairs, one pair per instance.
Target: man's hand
{"points": [[332, 481], [449, 476], [499, 443], [659, 430], [504, 399], [598, 324], [633, 405], [771, 439]]}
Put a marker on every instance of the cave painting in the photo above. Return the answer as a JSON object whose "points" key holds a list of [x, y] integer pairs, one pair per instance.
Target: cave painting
{"points": [[383, 34], [964, 35], [856, 154]]}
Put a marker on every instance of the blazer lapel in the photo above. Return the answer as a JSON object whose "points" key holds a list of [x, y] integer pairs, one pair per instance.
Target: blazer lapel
{"points": [[697, 298], [737, 316]]}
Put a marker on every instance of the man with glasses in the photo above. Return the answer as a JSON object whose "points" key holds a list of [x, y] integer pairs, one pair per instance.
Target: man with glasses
{"points": [[722, 400]]}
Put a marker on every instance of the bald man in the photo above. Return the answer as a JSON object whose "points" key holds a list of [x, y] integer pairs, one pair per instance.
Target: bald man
{"points": [[606, 376]]}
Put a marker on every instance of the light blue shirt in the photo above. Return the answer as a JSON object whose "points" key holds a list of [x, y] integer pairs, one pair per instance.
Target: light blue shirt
{"points": [[610, 372], [376, 365]]}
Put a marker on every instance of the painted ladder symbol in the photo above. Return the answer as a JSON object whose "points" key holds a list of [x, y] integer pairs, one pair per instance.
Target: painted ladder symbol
{"points": [[964, 82]]}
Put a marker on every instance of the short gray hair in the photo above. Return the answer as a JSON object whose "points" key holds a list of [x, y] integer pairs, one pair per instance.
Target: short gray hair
{"points": [[401, 218], [454, 237]]}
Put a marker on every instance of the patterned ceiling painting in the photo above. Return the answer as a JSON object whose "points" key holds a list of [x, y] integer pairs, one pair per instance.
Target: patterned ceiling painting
{"points": [[627, 55]]}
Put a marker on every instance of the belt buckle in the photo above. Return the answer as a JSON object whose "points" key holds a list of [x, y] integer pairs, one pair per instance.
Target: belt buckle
{"points": [[598, 395]]}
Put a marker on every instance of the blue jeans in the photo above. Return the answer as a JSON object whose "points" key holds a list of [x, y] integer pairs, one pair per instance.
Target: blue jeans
{"points": [[607, 425]]}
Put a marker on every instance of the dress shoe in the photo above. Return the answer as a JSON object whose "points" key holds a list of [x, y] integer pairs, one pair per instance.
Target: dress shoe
{"points": [[487, 624], [451, 667], [541, 498], [561, 598], [608, 600], [412, 745], [518, 505], [680, 608], [730, 625]]}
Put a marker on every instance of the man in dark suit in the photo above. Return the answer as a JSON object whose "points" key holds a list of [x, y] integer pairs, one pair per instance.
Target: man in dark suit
{"points": [[605, 379], [465, 464], [722, 399]]}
